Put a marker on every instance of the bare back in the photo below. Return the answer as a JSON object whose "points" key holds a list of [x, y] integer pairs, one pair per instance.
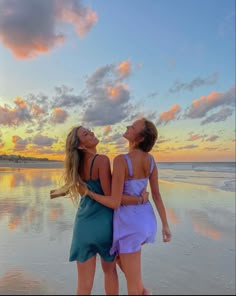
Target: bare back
{"points": [[141, 164]]}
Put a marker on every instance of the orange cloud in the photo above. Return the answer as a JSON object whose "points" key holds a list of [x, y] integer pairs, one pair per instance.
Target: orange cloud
{"points": [[59, 115], [20, 102], [107, 129], [117, 91], [37, 110], [169, 115], [124, 68], [113, 92]]}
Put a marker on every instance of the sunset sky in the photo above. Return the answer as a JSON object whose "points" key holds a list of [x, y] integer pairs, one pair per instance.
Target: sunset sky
{"points": [[104, 64]]}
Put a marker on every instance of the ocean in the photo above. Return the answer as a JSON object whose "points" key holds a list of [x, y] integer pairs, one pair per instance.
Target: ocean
{"points": [[220, 175]]}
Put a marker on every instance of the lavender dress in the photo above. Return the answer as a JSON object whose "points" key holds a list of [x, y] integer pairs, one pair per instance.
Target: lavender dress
{"points": [[133, 225]]}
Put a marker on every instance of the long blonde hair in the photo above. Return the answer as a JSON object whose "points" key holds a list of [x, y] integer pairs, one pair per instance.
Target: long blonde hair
{"points": [[72, 164]]}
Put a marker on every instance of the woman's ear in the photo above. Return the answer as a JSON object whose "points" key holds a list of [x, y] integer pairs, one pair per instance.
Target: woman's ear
{"points": [[141, 140]]}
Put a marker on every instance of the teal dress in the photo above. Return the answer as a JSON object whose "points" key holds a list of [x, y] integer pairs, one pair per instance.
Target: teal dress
{"points": [[93, 227]]}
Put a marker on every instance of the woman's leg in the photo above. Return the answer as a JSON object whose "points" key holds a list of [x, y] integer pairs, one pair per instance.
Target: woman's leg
{"points": [[111, 283], [145, 291], [131, 266], [86, 272]]}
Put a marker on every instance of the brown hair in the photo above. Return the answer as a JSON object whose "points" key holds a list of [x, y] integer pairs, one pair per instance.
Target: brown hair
{"points": [[149, 135]]}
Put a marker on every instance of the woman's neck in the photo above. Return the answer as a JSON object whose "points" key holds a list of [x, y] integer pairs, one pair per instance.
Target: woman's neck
{"points": [[133, 147], [90, 152]]}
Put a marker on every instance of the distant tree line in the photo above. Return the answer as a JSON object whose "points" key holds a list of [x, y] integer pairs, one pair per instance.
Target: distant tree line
{"points": [[19, 158]]}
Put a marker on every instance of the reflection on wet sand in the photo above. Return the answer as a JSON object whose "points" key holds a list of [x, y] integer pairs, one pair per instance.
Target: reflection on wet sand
{"points": [[31, 177], [19, 282], [212, 226], [36, 233], [171, 213]]}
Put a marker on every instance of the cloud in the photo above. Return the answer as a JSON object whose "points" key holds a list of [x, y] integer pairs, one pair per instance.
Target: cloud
{"points": [[196, 82], [124, 69], [152, 95], [212, 138], [1, 142], [195, 137], [30, 28], [107, 129], [200, 107], [59, 115], [17, 115], [221, 115], [19, 143], [41, 140], [188, 147], [108, 97], [72, 11], [169, 115], [64, 98]]}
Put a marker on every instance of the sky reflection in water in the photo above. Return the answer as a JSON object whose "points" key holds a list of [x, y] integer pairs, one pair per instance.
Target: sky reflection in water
{"points": [[36, 231]]}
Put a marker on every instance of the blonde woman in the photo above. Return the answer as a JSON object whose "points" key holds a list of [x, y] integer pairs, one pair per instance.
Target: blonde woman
{"points": [[93, 226], [135, 225]]}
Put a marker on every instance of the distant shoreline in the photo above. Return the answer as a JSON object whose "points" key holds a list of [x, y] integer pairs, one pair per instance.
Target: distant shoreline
{"points": [[31, 164]]}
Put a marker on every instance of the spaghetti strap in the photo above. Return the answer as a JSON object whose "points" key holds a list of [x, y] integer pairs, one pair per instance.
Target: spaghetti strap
{"points": [[129, 163], [91, 167], [152, 164]]}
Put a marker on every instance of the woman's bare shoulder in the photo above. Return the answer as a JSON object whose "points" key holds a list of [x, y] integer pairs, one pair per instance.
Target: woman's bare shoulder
{"points": [[119, 158], [103, 159]]}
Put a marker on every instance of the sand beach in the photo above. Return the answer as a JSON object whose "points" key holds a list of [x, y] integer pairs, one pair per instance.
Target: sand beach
{"points": [[36, 233]]}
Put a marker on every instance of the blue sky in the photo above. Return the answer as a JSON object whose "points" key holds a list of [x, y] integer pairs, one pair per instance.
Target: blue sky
{"points": [[106, 63]]}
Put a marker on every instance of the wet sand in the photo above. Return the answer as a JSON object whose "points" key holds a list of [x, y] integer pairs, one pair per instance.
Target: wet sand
{"points": [[36, 234]]}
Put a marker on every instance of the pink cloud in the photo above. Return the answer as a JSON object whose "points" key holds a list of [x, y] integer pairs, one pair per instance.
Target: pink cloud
{"points": [[194, 137], [169, 115], [200, 107], [83, 19], [30, 28]]}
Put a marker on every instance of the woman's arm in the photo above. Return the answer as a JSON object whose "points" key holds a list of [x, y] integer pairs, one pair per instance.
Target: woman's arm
{"points": [[114, 200], [104, 171], [58, 192], [128, 200], [156, 195]]}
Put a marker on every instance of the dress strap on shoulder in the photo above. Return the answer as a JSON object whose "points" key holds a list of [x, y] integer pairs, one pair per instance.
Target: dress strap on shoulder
{"points": [[152, 163], [129, 163], [91, 167]]}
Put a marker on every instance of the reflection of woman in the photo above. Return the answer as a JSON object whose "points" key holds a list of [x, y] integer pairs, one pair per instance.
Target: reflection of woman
{"points": [[135, 225], [93, 229]]}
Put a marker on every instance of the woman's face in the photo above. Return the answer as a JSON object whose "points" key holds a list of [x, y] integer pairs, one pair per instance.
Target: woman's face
{"points": [[87, 138], [133, 131]]}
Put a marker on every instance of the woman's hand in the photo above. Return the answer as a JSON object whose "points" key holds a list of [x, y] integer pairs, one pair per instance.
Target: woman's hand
{"points": [[54, 194], [57, 193], [83, 190], [144, 196], [166, 234]]}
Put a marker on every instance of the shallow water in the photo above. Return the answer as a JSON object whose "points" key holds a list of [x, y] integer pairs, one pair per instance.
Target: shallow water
{"points": [[36, 233]]}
